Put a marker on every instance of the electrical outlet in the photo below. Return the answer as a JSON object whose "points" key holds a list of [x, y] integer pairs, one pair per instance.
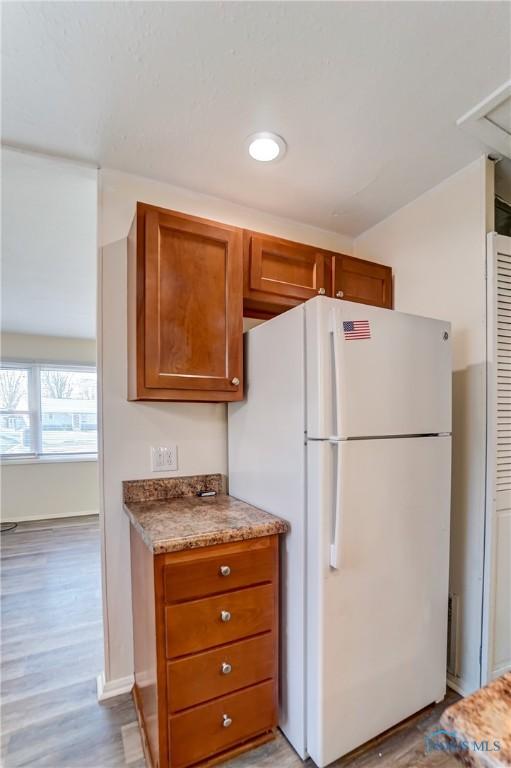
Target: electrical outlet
{"points": [[164, 458]]}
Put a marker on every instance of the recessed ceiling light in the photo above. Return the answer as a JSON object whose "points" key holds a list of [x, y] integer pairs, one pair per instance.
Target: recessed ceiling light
{"points": [[265, 146]]}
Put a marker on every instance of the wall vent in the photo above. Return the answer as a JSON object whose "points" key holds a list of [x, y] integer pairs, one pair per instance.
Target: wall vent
{"points": [[503, 372]]}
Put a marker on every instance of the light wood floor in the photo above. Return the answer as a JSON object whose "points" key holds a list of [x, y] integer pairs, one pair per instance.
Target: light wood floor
{"points": [[52, 651], [402, 747]]}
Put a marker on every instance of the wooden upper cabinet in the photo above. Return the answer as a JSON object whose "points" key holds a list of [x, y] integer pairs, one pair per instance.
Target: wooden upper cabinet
{"points": [[185, 307], [191, 280], [362, 281], [279, 274]]}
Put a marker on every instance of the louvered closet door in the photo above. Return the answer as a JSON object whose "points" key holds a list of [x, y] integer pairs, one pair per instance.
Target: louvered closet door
{"points": [[496, 656]]}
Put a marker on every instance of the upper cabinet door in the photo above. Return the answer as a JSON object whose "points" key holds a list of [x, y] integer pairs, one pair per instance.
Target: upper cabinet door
{"points": [[363, 281], [279, 274], [189, 296]]}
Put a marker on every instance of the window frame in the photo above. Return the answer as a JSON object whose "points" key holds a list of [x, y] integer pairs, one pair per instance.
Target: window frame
{"points": [[35, 412]]}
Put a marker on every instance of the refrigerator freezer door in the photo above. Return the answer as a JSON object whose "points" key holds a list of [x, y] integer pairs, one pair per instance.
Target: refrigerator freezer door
{"points": [[373, 372], [377, 586]]}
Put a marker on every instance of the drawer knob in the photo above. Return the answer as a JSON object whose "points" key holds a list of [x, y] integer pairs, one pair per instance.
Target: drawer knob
{"points": [[235, 381], [321, 291], [226, 668], [339, 294], [224, 570], [226, 721], [225, 616]]}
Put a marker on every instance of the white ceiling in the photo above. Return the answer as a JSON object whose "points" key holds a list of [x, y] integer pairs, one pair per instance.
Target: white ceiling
{"points": [[366, 94], [49, 246]]}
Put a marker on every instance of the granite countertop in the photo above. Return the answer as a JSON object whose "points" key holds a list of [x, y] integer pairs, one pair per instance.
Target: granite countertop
{"points": [[484, 717], [170, 516]]}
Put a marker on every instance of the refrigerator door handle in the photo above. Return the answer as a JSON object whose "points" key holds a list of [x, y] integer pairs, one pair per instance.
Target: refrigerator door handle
{"points": [[336, 370], [336, 539]]}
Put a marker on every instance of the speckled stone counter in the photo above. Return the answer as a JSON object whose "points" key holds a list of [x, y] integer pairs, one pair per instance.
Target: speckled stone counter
{"points": [[478, 728], [170, 516], [171, 487]]}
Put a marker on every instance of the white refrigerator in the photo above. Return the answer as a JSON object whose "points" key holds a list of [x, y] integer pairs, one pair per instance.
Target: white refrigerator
{"points": [[345, 431]]}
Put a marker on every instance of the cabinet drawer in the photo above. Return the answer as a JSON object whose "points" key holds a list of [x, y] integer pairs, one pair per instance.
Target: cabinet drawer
{"points": [[211, 674], [201, 733], [197, 625], [209, 575]]}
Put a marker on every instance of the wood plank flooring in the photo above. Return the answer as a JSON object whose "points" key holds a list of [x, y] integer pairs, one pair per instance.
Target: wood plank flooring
{"points": [[401, 747], [52, 651]]}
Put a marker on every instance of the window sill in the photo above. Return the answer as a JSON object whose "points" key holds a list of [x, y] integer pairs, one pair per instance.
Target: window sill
{"points": [[50, 459]]}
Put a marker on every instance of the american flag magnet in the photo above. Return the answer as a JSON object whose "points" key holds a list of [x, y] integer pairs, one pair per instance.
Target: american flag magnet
{"points": [[355, 330]]}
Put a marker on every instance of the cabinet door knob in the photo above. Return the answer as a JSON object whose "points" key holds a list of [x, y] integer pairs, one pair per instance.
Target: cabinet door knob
{"points": [[321, 291], [226, 668], [235, 381], [339, 294], [226, 721], [224, 570], [225, 616]]}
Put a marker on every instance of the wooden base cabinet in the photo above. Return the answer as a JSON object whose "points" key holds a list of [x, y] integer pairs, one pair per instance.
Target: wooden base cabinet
{"points": [[206, 650]]}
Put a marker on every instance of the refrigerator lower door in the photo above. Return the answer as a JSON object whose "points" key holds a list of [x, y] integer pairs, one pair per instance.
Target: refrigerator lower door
{"points": [[377, 586]]}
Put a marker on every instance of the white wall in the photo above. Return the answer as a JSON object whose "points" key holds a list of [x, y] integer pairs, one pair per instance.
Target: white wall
{"points": [[37, 491], [55, 349], [129, 429], [436, 247], [49, 245], [120, 191], [46, 490]]}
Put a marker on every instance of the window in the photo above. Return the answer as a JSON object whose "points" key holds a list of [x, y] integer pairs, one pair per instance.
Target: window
{"points": [[16, 435], [47, 410]]}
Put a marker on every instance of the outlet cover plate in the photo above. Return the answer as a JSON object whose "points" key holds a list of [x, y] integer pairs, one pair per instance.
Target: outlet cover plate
{"points": [[164, 458]]}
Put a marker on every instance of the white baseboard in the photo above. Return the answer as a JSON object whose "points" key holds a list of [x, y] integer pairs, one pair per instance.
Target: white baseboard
{"points": [[54, 516], [112, 688], [455, 687], [499, 671]]}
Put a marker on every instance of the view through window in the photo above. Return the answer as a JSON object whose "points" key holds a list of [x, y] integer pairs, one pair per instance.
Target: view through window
{"points": [[47, 410]]}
